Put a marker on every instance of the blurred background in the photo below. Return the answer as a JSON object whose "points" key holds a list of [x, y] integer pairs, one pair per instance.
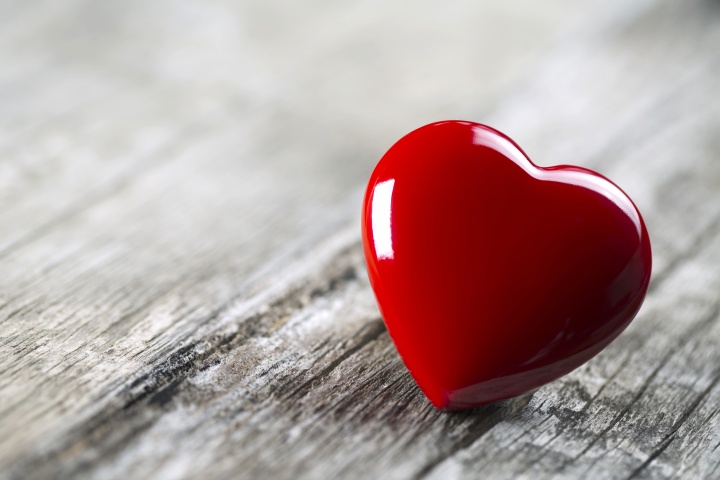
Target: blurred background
{"points": [[156, 158], [290, 104], [308, 95], [238, 116]]}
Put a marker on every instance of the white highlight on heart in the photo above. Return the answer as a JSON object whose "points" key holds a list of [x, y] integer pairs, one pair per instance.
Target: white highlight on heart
{"points": [[381, 214]]}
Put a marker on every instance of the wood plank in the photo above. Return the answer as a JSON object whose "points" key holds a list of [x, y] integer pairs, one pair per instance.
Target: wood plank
{"points": [[154, 325]]}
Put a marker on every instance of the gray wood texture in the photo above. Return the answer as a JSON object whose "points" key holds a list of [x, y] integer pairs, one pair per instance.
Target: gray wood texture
{"points": [[183, 293]]}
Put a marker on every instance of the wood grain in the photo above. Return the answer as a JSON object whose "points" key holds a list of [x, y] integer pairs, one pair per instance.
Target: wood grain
{"points": [[183, 292]]}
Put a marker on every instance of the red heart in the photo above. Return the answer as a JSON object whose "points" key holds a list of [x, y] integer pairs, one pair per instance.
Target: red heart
{"points": [[495, 276]]}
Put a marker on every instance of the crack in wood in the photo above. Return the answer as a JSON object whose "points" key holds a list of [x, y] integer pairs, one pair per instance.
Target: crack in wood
{"points": [[487, 417], [686, 336], [190, 357], [651, 458], [564, 426], [672, 434], [369, 333]]}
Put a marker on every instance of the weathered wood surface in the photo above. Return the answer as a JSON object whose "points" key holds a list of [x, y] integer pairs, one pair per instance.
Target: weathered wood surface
{"points": [[182, 291]]}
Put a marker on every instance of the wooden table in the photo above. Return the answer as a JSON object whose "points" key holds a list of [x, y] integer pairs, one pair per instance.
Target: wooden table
{"points": [[183, 293]]}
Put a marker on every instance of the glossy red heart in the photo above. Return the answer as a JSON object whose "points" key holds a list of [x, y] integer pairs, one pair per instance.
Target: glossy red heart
{"points": [[495, 276]]}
